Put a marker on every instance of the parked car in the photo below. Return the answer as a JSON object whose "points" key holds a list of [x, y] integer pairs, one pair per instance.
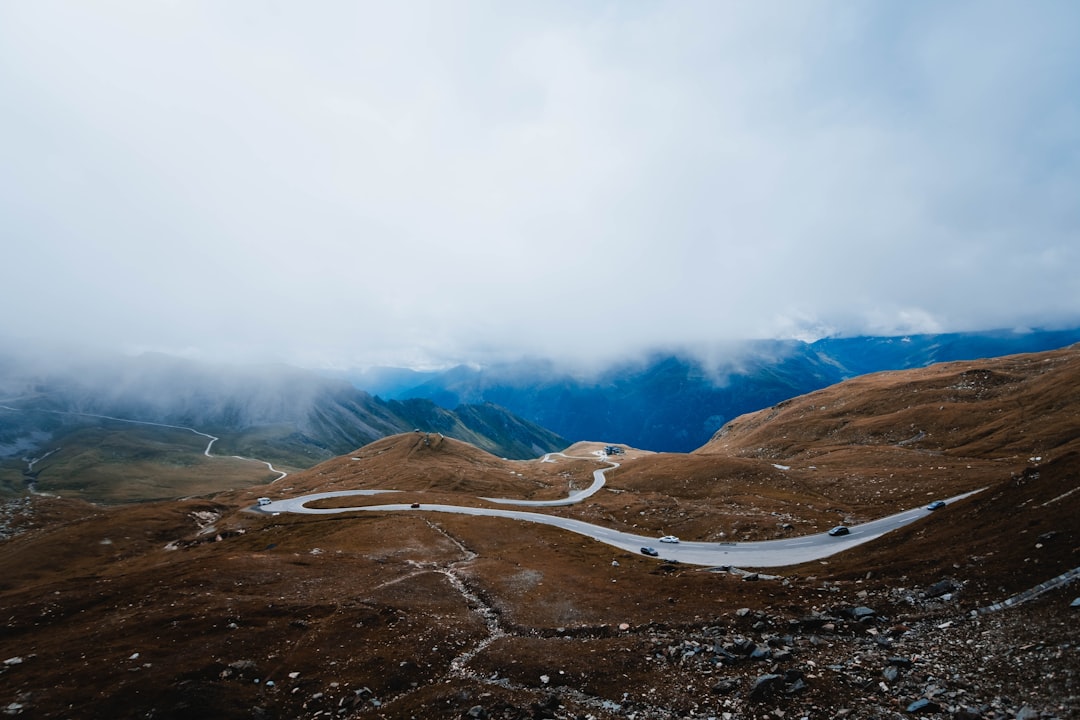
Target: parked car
{"points": [[650, 551], [264, 501], [839, 530], [669, 539], [936, 505]]}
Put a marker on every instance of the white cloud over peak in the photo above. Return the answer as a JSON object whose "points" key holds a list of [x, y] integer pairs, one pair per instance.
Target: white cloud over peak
{"points": [[414, 182]]}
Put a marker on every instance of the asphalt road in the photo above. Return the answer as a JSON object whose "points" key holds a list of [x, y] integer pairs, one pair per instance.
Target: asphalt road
{"points": [[768, 553], [572, 498]]}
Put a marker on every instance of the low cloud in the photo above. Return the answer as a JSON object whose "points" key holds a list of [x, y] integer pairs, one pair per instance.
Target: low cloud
{"points": [[422, 183]]}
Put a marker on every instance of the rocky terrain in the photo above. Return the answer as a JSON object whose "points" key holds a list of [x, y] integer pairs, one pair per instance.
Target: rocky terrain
{"points": [[204, 608]]}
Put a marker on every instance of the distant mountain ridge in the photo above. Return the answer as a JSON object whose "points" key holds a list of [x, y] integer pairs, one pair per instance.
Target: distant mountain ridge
{"points": [[672, 402], [274, 411]]}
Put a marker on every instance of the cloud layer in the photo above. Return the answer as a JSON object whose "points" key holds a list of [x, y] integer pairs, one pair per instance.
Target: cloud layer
{"points": [[351, 183]]}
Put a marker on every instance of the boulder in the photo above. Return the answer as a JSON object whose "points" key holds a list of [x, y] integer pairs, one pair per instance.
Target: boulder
{"points": [[923, 706], [862, 612], [725, 686], [941, 587], [795, 687], [766, 686]]}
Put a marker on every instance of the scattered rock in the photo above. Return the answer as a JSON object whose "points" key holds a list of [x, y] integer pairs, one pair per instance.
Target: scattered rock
{"points": [[238, 667], [546, 709], [863, 613], [940, 588], [477, 711], [923, 705], [760, 653], [725, 686], [766, 686]]}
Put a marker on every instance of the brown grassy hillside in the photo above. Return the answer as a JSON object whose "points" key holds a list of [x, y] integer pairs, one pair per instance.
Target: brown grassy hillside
{"points": [[201, 608]]}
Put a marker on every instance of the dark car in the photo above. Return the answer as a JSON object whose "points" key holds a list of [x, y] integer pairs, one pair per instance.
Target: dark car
{"points": [[839, 530], [415, 506], [651, 552], [936, 505]]}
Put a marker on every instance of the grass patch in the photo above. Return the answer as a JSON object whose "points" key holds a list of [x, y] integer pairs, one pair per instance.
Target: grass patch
{"points": [[114, 463]]}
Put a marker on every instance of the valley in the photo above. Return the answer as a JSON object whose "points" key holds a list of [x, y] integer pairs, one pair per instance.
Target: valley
{"points": [[109, 459], [125, 431]]}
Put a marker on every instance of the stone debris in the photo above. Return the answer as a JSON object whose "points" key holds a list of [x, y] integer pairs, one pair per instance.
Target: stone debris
{"points": [[16, 517], [922, 706]]}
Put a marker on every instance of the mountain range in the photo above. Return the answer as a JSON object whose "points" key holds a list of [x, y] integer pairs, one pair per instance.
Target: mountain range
{"points": [[284, 415], [95, 417], [675, 401]]}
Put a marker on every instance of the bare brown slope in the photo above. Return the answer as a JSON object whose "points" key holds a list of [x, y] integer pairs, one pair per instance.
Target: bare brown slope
{"points": [[1012, 407], [1019, 532], [1010, 425]]}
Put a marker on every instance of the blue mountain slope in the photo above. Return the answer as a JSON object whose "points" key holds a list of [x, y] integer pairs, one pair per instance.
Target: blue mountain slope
{"points": [[675, 403]]}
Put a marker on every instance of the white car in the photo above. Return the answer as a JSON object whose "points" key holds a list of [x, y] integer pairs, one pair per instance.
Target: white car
{"points": [[264, 501], [669, 539]]}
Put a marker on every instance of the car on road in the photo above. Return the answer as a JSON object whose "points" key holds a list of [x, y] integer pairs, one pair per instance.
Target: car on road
{"points": [[839, 530], [650, 551], [264, 501], [669, 539], [414, 506], [936, 505]]}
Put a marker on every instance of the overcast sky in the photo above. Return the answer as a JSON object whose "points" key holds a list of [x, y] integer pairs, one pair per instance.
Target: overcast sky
{"points": [[346, 183]]}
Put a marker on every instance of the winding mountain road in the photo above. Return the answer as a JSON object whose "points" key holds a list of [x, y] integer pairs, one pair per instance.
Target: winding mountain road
{"points": [[572, 498], [206, 452], [767, 553]]}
